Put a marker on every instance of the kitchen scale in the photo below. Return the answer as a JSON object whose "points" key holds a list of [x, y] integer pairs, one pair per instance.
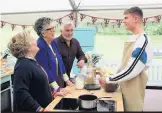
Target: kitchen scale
{"points": [[92, 86]]}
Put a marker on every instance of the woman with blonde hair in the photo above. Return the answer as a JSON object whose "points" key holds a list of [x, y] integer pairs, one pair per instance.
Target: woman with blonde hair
{"points": [[30, 83]]}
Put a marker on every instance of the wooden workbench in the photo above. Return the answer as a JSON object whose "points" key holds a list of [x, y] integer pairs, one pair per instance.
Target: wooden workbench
{"points": [[5, 76], [117, 96], [6, 72]]}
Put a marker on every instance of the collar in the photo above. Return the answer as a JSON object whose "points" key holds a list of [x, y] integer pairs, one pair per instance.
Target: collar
{"points": [[30, 57], [42, 43], [134, 38]]}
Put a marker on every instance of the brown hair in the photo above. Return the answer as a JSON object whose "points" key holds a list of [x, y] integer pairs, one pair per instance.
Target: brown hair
{"points": [[134, 10]]}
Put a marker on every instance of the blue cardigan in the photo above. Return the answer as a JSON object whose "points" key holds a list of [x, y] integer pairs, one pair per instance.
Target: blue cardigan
{"points": [[48, 61]]}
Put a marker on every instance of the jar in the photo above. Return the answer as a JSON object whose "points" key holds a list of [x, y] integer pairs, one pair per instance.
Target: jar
{"points": [[79, 81]]}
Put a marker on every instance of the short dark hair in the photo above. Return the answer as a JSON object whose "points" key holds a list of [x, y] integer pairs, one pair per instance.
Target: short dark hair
{"points": [[134, 10]]}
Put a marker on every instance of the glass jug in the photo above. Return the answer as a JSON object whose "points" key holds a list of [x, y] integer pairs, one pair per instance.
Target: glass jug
{"points": [[79, 81]]}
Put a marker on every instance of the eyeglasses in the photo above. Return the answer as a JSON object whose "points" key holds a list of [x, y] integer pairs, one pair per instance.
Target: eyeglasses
{"points": [[52, 28]]}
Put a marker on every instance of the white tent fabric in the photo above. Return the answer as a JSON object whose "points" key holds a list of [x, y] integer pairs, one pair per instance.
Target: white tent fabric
{"points": [[34, 5], [29, 19], [26, 12], [116, 2], [47, 5]]}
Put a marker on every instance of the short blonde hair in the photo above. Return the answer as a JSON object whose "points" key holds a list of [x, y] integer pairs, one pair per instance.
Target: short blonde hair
{"points": [[19, 44]]}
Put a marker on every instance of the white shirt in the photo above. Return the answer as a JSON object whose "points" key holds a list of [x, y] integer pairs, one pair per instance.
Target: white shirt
{"points": [[139, 61]]}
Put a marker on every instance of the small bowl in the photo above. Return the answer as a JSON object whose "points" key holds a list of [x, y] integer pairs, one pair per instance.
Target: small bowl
{"points": [[111, 87]]}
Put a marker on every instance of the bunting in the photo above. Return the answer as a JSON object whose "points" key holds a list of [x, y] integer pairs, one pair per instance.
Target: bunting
{"points": [[2, 24], [71, 16], [106, 21], [118, 22]]}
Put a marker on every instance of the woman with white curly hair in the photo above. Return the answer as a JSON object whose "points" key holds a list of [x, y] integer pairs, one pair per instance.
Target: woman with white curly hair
{"points": [[49, 56]]}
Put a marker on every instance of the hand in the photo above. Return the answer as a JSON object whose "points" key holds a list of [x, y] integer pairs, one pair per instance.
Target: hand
{"points": [[65, 90], [80, 64], [102, 81], [69, 83], [61, 93]]}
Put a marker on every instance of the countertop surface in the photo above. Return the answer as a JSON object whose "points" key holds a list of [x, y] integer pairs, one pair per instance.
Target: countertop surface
{"points": [[116, 96], [5, 70]]}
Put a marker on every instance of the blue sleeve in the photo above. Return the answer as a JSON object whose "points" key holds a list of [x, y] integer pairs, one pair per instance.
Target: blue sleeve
{"points": [[143, 57], [42, 59]]}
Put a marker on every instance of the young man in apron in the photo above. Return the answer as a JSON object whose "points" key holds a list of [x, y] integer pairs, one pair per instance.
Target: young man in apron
{"points": [[137, 56]]}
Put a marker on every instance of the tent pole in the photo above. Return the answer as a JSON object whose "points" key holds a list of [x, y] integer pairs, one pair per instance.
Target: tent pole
{"points": [[35, 12], [74, 7], [76, 18]]}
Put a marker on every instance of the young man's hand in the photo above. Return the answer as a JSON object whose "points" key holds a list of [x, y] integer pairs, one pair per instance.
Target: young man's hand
{"points": [[102, 81]]}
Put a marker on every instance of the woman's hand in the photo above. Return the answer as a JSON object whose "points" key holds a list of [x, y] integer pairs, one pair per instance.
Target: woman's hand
{"points": [[69, 83], [65, 90], [61, 93]]}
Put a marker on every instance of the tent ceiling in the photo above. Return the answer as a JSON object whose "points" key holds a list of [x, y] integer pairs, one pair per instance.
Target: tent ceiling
{"points": [[29, 19], [64, 5], [34, 5], [116, 2], [26, 12]]}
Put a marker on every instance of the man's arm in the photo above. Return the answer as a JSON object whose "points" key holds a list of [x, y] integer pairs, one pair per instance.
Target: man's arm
{"points": [[136, 64]]}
